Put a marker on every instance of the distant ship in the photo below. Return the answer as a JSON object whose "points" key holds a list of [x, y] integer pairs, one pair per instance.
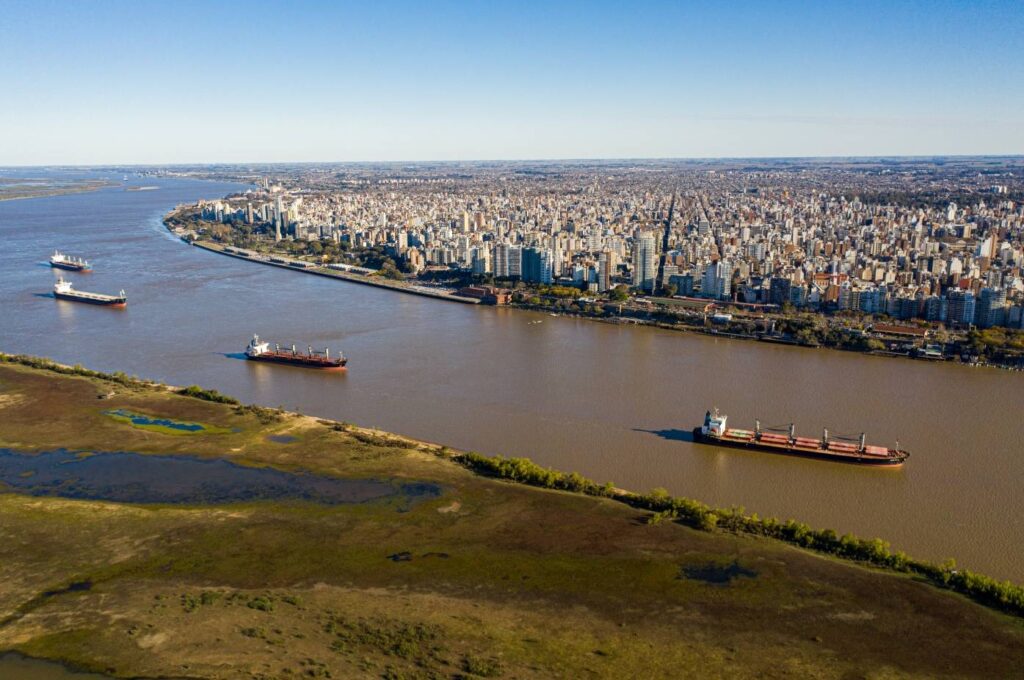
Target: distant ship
{"points": [[76, 264], [714, 431], [261, 351], [63, 290]]}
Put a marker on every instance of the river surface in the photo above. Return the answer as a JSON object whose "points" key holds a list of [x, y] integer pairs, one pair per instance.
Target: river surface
{"points": [[613, 403]]}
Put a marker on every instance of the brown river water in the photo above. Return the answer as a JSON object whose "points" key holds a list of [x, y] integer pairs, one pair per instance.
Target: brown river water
{"points": [[613, 403]]}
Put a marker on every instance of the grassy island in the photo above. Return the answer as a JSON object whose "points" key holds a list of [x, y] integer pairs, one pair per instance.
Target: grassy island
{"points": [[445, 564], [13, 188]]}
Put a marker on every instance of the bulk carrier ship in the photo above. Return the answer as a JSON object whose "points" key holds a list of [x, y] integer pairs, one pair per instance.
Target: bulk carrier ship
{"points": [[62, 290], [75, 264], [261, 351], [714, 431]]}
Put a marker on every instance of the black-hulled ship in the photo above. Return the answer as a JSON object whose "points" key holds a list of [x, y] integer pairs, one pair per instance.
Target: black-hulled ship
{"points": [[714, 431], [63, 290], [261, 351], [73, 264]]}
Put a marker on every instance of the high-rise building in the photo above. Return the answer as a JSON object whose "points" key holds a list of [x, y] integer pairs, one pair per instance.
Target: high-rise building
{"points": [[556, 259], [779, 291], [500, 260], [507, 261], [645, 267], [537, 265], [515, 261], [990, 307], [604, 271], [683, 283], [717, 281], [960, 309], [280, 224], [481, 261]]}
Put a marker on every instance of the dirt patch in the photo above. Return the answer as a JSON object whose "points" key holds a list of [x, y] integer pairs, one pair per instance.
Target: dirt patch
{"points": [[853, 616], [153, 640], [455, 506], [9, 400]]}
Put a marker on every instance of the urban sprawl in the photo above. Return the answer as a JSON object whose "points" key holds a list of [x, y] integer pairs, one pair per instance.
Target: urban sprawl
{"points": [[933, 243]]}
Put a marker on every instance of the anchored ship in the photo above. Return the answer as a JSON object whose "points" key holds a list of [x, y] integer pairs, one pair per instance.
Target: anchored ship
{"points": [[75, 264], [259, 350], [714, 431], [63, 290]]}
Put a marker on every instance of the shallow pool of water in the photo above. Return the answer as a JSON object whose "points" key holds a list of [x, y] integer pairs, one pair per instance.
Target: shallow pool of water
{"points": [[165, 425], [714, 573], [135, 478]]}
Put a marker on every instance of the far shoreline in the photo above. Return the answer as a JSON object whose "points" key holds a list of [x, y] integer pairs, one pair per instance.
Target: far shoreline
{"points": [[615, 319], [83, 188]]}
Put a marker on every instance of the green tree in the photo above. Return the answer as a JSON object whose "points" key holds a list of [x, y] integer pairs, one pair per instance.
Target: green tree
{"points": [[619, 293]]}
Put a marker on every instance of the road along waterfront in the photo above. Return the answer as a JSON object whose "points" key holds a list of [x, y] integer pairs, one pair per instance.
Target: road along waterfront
{"points": [[613, 403], [309, 268]]}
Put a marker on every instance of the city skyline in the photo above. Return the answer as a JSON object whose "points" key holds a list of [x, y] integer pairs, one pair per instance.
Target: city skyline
{"points": [[835, 237], [116, 83]]}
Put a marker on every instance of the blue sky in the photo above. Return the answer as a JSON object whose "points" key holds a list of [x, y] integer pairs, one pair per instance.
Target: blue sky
{"points": [[166, 82]]}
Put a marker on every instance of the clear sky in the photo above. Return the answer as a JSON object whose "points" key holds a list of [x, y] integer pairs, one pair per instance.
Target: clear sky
{"points": [[90, 82]]}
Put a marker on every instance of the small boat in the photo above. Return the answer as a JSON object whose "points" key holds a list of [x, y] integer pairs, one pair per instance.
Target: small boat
{"points": [[75, 264], [63, 290]]}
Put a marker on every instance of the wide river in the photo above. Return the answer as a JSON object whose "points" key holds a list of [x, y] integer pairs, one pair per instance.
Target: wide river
{"points": [[611, 403]]}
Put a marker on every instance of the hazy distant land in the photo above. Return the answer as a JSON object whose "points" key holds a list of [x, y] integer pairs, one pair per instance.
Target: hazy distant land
{"points": [[12, 188]]}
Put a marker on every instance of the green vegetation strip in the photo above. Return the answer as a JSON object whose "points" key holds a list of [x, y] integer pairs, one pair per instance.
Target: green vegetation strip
{"points": [[1002, 595], [49, 365]]}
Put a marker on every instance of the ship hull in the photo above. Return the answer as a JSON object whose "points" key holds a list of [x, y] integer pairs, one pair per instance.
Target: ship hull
{"points": [[789, 450], [301, 361], [113, 302], [70, 267]]}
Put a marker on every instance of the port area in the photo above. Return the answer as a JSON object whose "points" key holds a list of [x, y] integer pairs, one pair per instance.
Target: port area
{"points": [[781, 442], [352, 274]]}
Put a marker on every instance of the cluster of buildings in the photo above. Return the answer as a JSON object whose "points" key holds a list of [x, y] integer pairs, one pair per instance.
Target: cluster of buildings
{"points": [[938, 241]]}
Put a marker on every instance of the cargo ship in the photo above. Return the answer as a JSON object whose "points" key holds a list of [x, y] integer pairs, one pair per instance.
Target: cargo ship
{"points": [[63, 290], [714, 431], [75, 264], [259, 350]]}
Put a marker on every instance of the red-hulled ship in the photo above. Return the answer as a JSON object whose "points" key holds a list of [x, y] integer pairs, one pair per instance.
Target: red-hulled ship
{"points": [[714, 431], [261, 351], [62, 290], [74, 264]]}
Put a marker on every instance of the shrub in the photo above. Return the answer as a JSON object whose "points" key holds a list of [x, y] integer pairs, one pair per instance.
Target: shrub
{"points": [[49, 365], [197, 392], [486, 668]]}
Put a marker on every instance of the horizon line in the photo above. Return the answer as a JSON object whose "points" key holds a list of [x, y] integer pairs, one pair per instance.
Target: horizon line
{"points": [[592, 159]]}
